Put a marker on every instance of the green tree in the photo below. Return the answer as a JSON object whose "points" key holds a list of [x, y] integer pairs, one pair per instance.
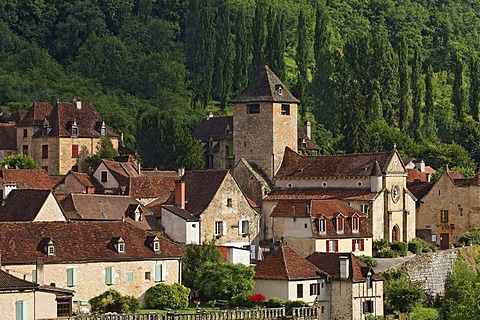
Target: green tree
{"points": [[105, 150], [404, 90], [458, 94], [416, 95], [19, 161], [430, 129], [113, 301], [195, 257], [353, 120], [301, 58], [277, 47], [165, 296], [474, 97], [242, 52], [401, 295], [259, 36]]}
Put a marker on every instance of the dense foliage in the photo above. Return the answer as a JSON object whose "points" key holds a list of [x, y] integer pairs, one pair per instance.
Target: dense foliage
{"points": [[369, 73], [19, 161], [113, 301], [195, 257], [165, 296], [401, 295]]}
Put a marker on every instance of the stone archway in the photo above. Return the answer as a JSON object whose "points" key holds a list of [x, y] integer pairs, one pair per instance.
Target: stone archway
{"points": [[395, 234]]}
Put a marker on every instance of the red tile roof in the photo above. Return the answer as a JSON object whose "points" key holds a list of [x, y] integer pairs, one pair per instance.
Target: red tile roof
{"points": [[456, 175], [415, 175], [296, 166], [23, 204], [78, 241], [291, 209], [84, 179], [36, 115], [28, 178], [330, 263], [286, 264], [8, 136], [154, 184], [322, 194], [9, 282]]}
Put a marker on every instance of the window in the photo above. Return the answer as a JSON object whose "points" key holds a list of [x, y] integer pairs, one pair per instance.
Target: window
{"points": [[71, 277], [25, 149], [74, 150], [147, 275], [364, 208], [130, 276], [156, 245], [369, 281], [299, 290], [285, 109], [332, 245], [109, 275], [51, 250], [357, 245], [279, 89], [103, 176], [159, 272], [253, 108], [434, 238], [218, 228], [322, 224], [340, 221], [244, 227], [368, 306], [63, 306], [315, 289], [21, 310], [323, 309], [355, 223], [444, 216], [25, 133], [45, 151], [74, 168], [209, 161], [229, 202], [121, 248]]}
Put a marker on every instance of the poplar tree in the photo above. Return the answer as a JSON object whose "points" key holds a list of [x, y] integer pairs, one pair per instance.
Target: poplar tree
{"points": [[242, 50], [416, 94], [278, 47], [404, 90], [474, 87], [270, 36], [258, 38], [458, 94], [430, 130], [301, 58], [353, 121]]}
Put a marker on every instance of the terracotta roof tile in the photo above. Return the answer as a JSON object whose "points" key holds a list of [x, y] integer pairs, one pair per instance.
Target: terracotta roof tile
{"points": [[415, 175], [23, 204], [36, 115], [302, 136], [456, 175], [28, 178], [322, 194], [430, 170], [9, 282], [154, 184], [287, 264], [17, 116], [296, 166], [264, 89], [8, 136], [21, 242], [215, 128], [84, 179]]}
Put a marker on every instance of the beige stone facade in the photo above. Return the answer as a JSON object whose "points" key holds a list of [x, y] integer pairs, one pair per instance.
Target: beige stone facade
{"points": [[38, 305]]}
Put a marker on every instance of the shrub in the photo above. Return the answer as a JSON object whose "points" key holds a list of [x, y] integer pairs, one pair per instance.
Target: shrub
{"points": [[164, 296], [369, 261], [257, 298], [387, 253], [400, 247], [113, 301], [241, 300], [416, 246], [275, 302], [470, 238], [379, 245], [294, 304]]}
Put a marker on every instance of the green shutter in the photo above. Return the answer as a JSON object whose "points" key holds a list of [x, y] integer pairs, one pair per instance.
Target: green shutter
{"points": [[109, 275], [130, 276], [21, 310], [71, 277], [34, 276], [158, 272]]}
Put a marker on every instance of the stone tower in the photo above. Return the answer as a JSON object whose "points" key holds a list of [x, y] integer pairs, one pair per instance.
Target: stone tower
{"points": [[264, 122]]}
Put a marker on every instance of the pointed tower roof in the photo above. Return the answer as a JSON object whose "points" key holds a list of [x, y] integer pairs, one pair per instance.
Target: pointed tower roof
{"points": [[266, 87], [376, 172]]}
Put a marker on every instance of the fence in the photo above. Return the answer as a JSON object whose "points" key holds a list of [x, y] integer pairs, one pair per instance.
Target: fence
{"points": [[303, 313]]}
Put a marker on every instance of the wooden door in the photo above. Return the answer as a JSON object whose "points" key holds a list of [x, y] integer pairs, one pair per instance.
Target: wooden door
{"points": [[444, 241]]}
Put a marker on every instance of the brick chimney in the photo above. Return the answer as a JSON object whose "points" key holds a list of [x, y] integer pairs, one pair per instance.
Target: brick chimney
{"points": [[344, 267], [180, 194]]}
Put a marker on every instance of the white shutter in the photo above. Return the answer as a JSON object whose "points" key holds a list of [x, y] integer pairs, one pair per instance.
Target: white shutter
{"points": [[252, 251], [240, 229], [224, 225]]}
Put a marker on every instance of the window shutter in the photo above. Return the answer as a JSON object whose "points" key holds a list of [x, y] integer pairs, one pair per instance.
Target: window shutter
{"points": [[353, 245], [362, 244], [158, 273], [224, 225], [34, 276], [336, 245], [71, 277], [130, 276], [109, 275], [328, 245], [240, 227], [21, 310]]}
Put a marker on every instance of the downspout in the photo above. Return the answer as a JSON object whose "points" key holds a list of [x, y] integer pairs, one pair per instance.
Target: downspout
{"points": [[180, 269]]}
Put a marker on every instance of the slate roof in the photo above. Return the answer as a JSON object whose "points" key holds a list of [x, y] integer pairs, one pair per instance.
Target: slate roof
{"points": [[8, 136], [263, 89], [9, 282], [286, 264], [322, 194], [78, 241], [420, 188], [330, 263], [182, 213], [296, 166], [23, 204], [28, 178], [80, 206], [215, 128]]}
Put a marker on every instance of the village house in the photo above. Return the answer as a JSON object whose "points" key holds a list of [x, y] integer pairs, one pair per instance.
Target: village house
{"points": [[8, 140], [74, 182], [24, 300], [89, 257], [287, 275], [356, 292], [36, 179], [320, 226], [60, 137], [448, 209]]}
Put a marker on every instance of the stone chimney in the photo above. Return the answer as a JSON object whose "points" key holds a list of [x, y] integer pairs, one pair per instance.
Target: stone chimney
{"points": [[180, 194], [181, 172], [308, 129], [78, 103], [344, 267], [40, 272]]}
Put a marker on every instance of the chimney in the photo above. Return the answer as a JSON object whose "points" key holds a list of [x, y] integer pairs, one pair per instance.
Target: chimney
{"points": [[344, 267], [78, 103], [210, 115], [40, 272], [181, 172], [139, 168], [7, 188], [180, 194], [308, 129]]}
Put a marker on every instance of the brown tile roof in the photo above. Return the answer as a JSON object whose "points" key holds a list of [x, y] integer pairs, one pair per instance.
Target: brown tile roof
{"points": [[8, 136], [153, 184], [215, 128], [121, 171], [415, 175], [21, 242], [23, 204], [9, 282], [83, 178], [182, 213], [17, 116], [264, 89], [36, 115], [302, 136], [296, 166], [286, 264], [456, 175], [291, 209], [28, 178], [430, 170], [108, 207], [419, 188], [330, 263], [322, 194]]}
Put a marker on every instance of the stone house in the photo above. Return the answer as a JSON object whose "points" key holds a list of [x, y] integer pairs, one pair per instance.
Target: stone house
{"points": [[74, 182], [356, 291], [24, 300], [78, 206], [373, 183], [31, 205], [448, 209], [60, 137], [225, 213], [287, 275], [8, 140], [89, 257], [320, 226], [36, 179]]}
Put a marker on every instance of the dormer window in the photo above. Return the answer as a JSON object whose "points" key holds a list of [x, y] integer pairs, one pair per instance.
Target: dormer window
{"points": [[355, 223], [154, 243], [340, 220], [103, 129], [74, 128], [322, 224], [120, 245], [50, 247], [279, 89], [46, 127], [285, 109], [138, 215]]}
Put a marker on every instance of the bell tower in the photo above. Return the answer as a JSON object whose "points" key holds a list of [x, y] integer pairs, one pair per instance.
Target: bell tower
{"points": [[264, 122]]}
